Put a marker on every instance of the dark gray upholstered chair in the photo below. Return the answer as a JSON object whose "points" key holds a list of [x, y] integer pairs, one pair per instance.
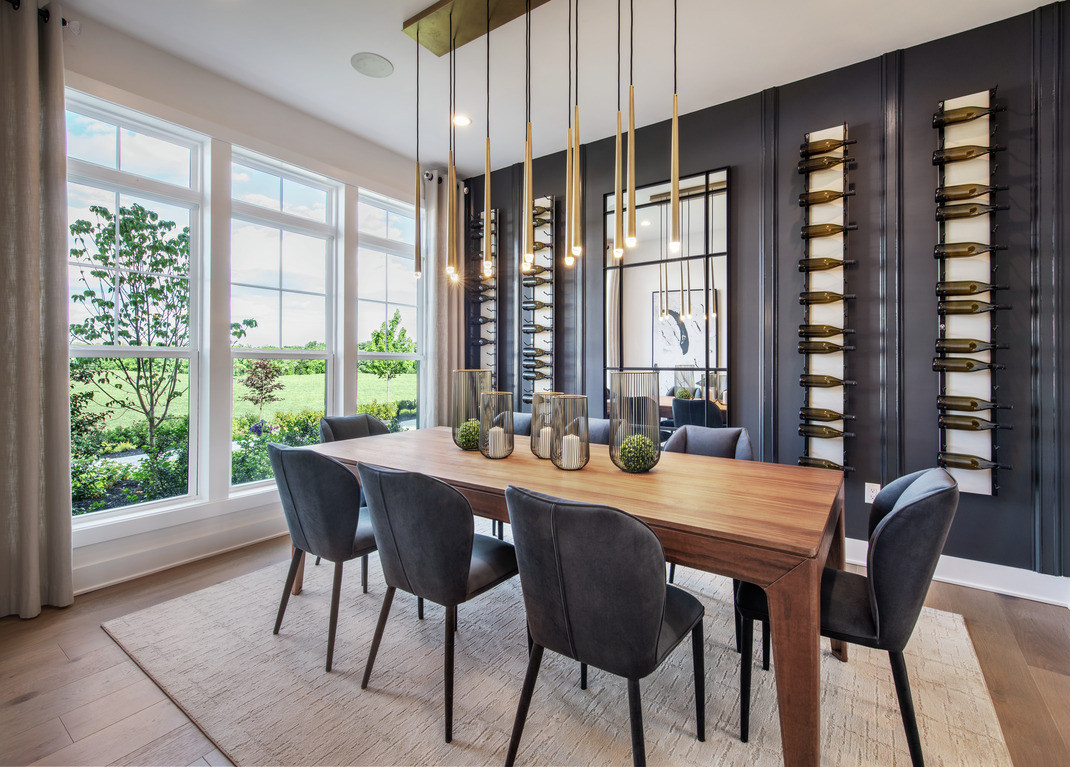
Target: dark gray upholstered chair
{"points": [[725, 442], [427, 545], [598, 431], [521, 423], [336, 427], [696, 412], [908, 524], [594, 588], [321, 502]]}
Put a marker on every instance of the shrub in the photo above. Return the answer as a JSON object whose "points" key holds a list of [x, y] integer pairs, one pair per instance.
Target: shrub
{"points": [[683, 393], [92, 479], [384, 411], [299, 428]]}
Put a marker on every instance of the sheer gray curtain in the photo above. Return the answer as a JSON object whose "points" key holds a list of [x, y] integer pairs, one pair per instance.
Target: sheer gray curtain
{"points": [[35, 477], [443, 311]]}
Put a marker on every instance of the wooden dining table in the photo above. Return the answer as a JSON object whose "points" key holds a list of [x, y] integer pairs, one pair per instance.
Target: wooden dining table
{"points": [[769, 524]]}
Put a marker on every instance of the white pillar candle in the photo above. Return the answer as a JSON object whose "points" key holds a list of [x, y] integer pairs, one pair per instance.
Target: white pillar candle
{"points": [[545, 440], [496, 442], [570, 452]]}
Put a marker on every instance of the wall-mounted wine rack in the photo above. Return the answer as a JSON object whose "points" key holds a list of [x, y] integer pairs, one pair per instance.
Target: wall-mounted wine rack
{"points": [[966, 204], [487, 296], [824, 298], [537, 308]]}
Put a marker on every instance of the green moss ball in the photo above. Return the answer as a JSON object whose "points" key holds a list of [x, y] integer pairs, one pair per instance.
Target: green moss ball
{"points": [[468, 435], [683, 393], [637, 454]]}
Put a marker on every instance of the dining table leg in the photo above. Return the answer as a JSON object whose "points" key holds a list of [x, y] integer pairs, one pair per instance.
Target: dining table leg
{"points": [[836, 559], [795, 620]]}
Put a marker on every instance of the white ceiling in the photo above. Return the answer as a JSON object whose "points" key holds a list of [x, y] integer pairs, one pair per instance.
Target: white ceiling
{"points": [[298, 51]]}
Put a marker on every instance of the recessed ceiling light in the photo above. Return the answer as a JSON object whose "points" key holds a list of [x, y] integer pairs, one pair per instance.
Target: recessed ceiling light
{"points": [[461, 120], [371, 64], [645, 222]]}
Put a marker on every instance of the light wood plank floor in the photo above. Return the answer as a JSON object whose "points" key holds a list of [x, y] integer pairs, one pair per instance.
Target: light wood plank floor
{"points": [[69, 695]]}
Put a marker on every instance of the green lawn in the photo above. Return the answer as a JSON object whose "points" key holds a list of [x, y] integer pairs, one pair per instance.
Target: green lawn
{"points": [[298, 393]]}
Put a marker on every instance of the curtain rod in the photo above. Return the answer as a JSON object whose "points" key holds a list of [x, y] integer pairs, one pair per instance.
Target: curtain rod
{"points": [[42, 13]]}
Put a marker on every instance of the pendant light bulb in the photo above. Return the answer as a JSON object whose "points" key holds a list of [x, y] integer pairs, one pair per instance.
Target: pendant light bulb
{"points": [[577, 199], [618, 199]]}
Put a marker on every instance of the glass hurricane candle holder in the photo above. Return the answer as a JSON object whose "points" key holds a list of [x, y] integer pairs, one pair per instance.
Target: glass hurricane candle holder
{"points": [[496, 424], [468, 385], [541, 427], [570, 446], [635, 441]]}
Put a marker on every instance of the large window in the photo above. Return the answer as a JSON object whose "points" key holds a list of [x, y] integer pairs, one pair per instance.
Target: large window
{"points": [[134, 197], [388, 361], [282, 244]]}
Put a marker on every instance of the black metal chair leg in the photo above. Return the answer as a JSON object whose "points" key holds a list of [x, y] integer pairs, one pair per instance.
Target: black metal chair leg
{"points": [[745, 660], [364, 573], [698, 650], [451, 629], [501, 530], [635, 710], [420, 608], [336, 592], [378, 636], [906, 707], [317, 561], [765, 645], [672, 571], [290, 577], [534, 659], [583, 676]]}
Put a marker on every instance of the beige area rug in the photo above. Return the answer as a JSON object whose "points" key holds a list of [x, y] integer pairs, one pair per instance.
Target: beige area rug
{"points": [[266, 699]]}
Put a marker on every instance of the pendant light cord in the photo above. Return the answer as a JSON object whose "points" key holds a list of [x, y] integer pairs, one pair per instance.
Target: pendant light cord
{"points": [[488, 69], [631, 42], [527, 65], [417, 95], [568, 102], [577, 95], [618, 55], [674, 46]]}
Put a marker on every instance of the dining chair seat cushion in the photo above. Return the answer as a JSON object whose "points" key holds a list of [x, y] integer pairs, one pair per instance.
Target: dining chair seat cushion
{"points": [[493, 562], [682, 612], [364, 540]]}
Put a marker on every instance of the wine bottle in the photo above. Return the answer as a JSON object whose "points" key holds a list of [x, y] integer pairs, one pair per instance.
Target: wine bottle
{"points": [[822, 297], [964, 249], [534, 375], [822, 347], [484, 320], [972, 404], [969, 462], [968, 307], [535, 328], [535, 351], [532, 364], [537, 246], [526, 399], [538, 210], [968, 423], [960, 115], [537, 269], [484, 298], [821, 331], [811, 164], [531, 282], [485, 287], [822, 432], [821, 196], [965, 287], [822, 463], [821, 264], [960, 153], [816, 381], [957, 192], [822, 414], [966, 210], [811, 231], [822, 145], [963, 365], [484, 342], [965, 346], [533, 305]]}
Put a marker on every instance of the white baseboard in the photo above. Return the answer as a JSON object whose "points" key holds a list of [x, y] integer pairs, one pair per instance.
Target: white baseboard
{"points": [[1012, 581]]}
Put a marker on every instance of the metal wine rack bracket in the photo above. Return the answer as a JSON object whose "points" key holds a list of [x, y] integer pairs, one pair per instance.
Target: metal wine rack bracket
{"points": [[537, 308], [487, 296]]}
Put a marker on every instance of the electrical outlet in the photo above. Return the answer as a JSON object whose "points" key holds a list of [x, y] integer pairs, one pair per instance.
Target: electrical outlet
{"points": [[872, 488]]}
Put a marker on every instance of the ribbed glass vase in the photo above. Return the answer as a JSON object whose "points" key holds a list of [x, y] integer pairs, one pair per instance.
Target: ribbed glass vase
{"points": [[570, 446], [467, 385], [635, 431], [496, 424], [541, 429]]}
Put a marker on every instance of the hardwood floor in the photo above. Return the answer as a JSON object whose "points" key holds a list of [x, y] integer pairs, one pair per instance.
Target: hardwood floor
{"points": [[69, 695]]}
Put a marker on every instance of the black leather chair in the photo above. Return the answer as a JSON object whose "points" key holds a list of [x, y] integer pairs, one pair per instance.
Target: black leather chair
{"points": [[594, 588], [696, 412], [321, 502], [424, 530], [908, 524], [337, 427]]}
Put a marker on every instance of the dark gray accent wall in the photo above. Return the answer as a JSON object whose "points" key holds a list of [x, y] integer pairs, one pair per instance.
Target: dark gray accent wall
{"points": [[888, 104]]}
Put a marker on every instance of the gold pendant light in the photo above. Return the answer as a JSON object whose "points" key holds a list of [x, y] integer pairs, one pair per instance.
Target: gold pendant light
{"points": [[630, 239], [674, 170]]}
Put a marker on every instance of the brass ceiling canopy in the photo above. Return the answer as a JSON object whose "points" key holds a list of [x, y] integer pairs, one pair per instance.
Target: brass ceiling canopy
{"points": [[469, 21]]}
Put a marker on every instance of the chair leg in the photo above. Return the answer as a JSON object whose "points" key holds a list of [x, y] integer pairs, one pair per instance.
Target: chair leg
{"points": [[364, 573], [335, 594], [698, 650], [317, 561], [583, 676], [378, 636], [534, 659], [635, 710], [290, 577], [906, 707], [765, 645], [451, 629], [672, 571], [420, 608], [501, 530], [745, 659]]}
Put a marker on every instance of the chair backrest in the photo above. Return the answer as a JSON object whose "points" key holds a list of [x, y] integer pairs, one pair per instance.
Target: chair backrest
{"points": [[593, 579], [725, 442], [336, 427], [423, 529], [598, 431], [909, 522], [320, 500], [696, 412], [522, 423]]}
